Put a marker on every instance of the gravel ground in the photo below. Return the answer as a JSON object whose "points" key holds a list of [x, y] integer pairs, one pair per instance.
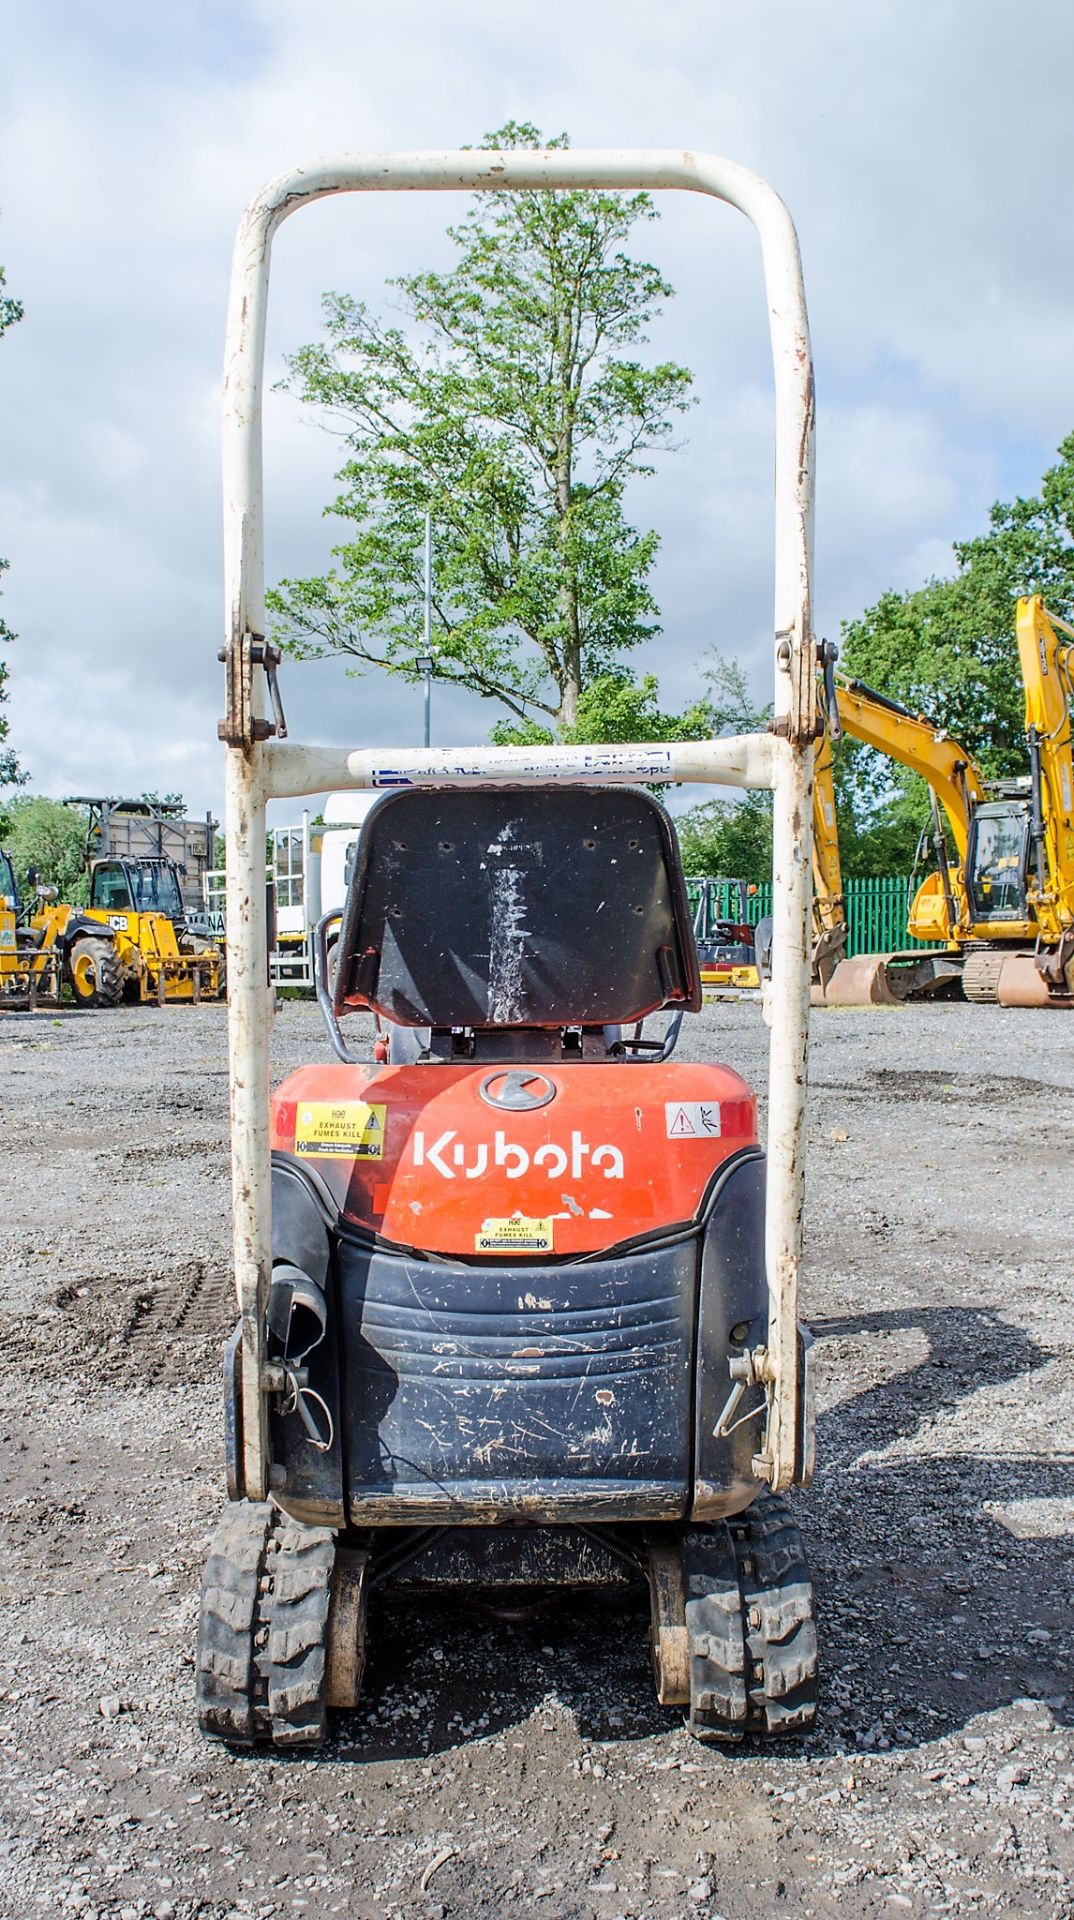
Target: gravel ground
{"points": [[525, 1770]]}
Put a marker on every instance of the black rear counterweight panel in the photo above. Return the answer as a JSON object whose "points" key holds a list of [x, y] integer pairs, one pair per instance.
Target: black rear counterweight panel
{"points": [[481, 1394]]}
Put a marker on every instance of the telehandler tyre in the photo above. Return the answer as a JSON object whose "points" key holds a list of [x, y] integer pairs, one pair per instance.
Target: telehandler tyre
{"points": [[95, 972]]}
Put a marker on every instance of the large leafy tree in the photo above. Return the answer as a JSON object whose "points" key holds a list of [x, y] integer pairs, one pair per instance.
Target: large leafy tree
{"points": [[729, 837], [50, 837], [948, 648], [512, 404], [10, 312]]}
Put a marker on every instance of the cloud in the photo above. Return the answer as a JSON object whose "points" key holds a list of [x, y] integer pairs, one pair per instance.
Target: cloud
{"points": [[923, 150]]}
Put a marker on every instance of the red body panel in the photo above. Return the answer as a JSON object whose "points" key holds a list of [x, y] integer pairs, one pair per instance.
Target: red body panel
{"points": [[619, 1150]]}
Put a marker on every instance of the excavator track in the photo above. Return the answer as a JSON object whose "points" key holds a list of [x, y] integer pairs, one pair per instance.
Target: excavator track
{"points": [[263, 1630], [749, 1620], [980, 975]]}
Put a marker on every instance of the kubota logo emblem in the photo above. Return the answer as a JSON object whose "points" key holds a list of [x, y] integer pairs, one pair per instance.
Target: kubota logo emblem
{"points": [[518, 1091], [449, 1155]]}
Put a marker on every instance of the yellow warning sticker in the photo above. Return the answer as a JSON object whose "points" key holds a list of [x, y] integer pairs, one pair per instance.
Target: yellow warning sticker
{"points": [[514, 1236], [351, 1131]]}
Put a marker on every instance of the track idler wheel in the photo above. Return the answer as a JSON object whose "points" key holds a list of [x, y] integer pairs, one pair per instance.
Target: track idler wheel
{"points": [[281, 1634], [746, 1625], [862, 982], [96, 973]]}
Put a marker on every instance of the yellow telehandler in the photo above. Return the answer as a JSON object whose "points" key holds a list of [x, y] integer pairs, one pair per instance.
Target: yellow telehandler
{"points": [[1000, 901], [140, 856], [140, 903], [56, 944]]}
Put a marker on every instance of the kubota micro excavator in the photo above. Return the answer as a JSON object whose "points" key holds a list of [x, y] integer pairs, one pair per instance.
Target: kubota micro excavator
{"points": [[517, 1291], [1000, 901]]}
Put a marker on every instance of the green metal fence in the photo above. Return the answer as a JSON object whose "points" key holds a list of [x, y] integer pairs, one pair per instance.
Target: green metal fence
{"points": [[876, 912]]}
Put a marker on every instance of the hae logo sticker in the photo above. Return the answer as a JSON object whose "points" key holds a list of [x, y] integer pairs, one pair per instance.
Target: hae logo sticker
{"points": [[516, 1235], [692, 1119], [350, 1131], [449, 1155]]}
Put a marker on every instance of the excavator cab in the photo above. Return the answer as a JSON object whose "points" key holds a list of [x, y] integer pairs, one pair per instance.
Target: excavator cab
{"points": [[997, 861], [144, 886]]}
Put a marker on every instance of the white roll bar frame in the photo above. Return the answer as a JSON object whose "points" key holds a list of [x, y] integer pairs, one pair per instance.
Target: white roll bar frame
{"points": [[259, 769]]}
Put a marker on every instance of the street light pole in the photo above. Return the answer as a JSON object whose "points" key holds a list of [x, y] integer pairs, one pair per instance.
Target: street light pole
{"points": [[428, 628]]}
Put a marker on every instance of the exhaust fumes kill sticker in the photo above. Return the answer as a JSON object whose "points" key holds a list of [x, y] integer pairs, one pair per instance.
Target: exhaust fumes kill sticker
{"points": [[350, 1131], [514, 1236], [692, 1119]]}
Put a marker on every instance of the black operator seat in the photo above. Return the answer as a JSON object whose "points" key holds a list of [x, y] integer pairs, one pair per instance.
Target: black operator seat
{"points": [[500, 909]]}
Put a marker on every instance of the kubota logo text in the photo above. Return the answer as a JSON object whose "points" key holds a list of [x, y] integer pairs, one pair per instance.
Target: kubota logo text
{"points": [[450, 1155]]}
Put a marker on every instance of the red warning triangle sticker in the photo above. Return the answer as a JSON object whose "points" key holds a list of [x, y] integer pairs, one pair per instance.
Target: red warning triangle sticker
{"points": [[681, 1124]]}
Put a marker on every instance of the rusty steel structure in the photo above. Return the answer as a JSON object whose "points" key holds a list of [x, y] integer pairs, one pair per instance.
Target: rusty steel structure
{"points": [[262, 764]]}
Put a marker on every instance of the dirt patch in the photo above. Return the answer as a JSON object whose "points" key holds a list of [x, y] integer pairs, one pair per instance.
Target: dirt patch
{"points": [[115, 1329], [525, 1769]]}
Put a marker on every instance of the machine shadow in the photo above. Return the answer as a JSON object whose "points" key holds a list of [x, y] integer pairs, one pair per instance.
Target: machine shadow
{"points": [[931, 1610]]}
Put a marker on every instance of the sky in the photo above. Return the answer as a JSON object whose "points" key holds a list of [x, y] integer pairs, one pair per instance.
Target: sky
{"points": [[924, 148]]}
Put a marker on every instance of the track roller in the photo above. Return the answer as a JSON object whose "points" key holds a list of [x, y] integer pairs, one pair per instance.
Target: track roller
{"points": [[747, 1612], [281, 1632]]}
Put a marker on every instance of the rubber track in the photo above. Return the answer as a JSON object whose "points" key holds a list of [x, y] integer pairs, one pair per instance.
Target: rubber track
{"points": [[227, 1624], [777, 1606], [300, 1569], [719, 1705], [749, 1617], [263, 1628]]}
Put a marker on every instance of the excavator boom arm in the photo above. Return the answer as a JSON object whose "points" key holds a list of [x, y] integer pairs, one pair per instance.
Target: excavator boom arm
{"points": [[1046, 655], [916, 742]]}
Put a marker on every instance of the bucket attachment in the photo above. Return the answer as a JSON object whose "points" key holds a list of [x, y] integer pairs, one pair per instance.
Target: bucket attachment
{"points": [[862, 982], [1021, 984]]}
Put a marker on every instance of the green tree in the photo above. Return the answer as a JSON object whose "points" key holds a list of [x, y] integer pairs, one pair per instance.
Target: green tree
{"points": [[732, 838], [513, 407], [10, 772], [614, 707], [43, 834], [948, 648], [729, 837]]}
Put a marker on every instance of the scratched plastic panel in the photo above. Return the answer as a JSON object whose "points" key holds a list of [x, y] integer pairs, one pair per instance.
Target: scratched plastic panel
{"points": [[521, 1390]]}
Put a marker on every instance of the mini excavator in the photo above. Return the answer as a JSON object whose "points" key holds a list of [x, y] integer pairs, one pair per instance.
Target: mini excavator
{"points": [[517, 1289]]}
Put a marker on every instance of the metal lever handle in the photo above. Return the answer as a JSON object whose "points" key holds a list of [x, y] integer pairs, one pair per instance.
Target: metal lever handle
{"points": [[239, 728], [749, 1369], [828, 654], [270, 660]]}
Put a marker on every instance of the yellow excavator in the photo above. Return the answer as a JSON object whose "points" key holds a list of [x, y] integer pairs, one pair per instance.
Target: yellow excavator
{"points": [[1000, 902]]}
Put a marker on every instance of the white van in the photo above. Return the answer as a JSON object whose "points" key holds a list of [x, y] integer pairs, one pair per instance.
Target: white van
{"points": [[343, 817]]}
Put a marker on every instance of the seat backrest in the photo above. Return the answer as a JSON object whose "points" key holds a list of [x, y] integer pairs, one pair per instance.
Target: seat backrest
{"points": [[491, 907]]}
